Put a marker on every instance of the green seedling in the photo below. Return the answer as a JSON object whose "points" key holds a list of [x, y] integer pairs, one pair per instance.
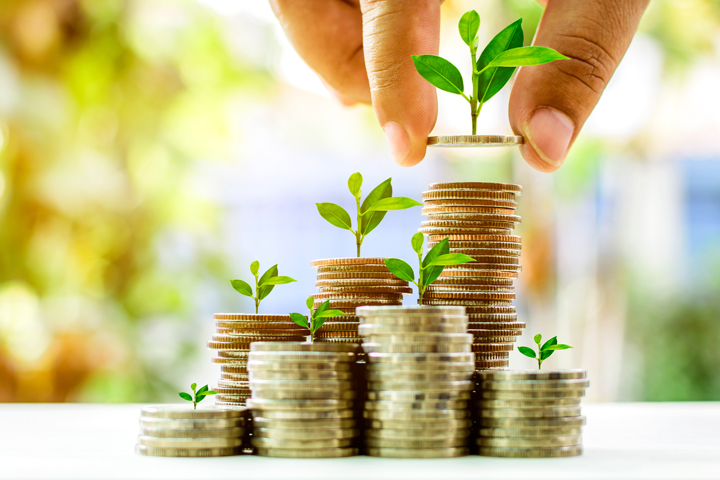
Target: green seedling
{"points": [[544, 351], [491, 71], [370, 213], [317, 316], [430, 267], [198, 396], [263, 286]]}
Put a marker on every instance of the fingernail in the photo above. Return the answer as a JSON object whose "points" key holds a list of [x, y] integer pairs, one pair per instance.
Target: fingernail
{"points": [[550, 132], [398, 141]]}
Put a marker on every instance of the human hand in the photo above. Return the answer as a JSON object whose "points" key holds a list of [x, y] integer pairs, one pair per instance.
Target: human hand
{"points": [[361, 49]]}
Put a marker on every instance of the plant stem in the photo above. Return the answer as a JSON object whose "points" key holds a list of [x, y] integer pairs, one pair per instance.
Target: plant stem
{"points": [[474, 115], [358, 235], [257, 296], [539, 363], [474, 99]]}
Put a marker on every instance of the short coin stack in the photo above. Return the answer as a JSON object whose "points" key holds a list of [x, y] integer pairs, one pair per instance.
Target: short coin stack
{"points": [[478, 219], [349, 283], [180, 431], [419, 369], [530, 413], [302, 399], [234, 333]]}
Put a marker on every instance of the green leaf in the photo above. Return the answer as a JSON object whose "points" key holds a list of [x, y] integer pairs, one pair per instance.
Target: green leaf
{"points": [[526, 56], [202, 390], [492, 80], [310, 302], [255, 268], [335, 214], [552, 341], [329, 313], [417, 243], [242, 287], [528, 352], [400, 269], [371, 220], [544, 355], [451, 259], [300, 319], [392, 203], [193, 386], [323, 306], [317, 323], [560, 346], [538, 338], [278, 281], [429, 275], [265, 291], [439, 72], [185, 396], [211, 392], [355, 184], [469, 25]]}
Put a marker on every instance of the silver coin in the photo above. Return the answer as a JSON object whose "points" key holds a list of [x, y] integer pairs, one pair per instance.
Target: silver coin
{"points": [[378, 311], [187, 452], [377, 329], [307, 453], [304, 424], [418, 452], [578, 421], [189, 443], [475, 141], [311, 366], [514, 375], [530, 442], [531, 432], [373, 375], [417, 425], [529, 403], [530, 412], [375, 347], [437, 443], [306, 434], [205, 424], [417, 433], [421, 367], [183, 412], [409, 406], [304, 444], [415, 415], [294, 415], [315, 405], [555, 452], [192, 432], [420, 358], [534, 385], [419, 396]]}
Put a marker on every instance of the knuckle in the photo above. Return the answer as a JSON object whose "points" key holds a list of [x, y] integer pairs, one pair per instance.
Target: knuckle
{"points": [[590, 62]]}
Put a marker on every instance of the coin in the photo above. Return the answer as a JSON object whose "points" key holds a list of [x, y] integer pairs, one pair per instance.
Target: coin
{"points": [[426, 367], [292, 357], [239, 354], [429, 300], [238, 389], [301, 384], [480, 339], [224, 404], [359, 290], [498, 324], [415, 348], [461, 245], [343, 276], [417, 452], [448, 194], [330, 326], [535, 385], [530, 442], [189, 443], [406, 406], [416, 444], [353, 296], [428, 210], [236, 398], [193, 433], [448, 230], [185, 413], [379, 267], [347, 339], [416, 433], [527, 404], [307, 453], [472, 281], [492, 348], [347, 261], [191, 424], [531, 452], [483, 186], [531, 432], [444, 288], [497, 363], [307, 434], [378, 329], [455, 202], [578, 421], [223, 383], [361, 282], [377, 376], [415, 427], [462, 225], [422, 358], [329, 394], [307, 415], [277, 333], [420, 338], [319, 405], [459, 237], [534, 375], [490, 333], [258, 366], [531, 412], [469, 219], [252, 317], [418, 396], [285, 424], [308, 349], [477, 295], [350, 305], [312, 376], [467, 273], [479, 313], [355, 336], [304, 444], [186, 452], [415, 414], [244, 377]]}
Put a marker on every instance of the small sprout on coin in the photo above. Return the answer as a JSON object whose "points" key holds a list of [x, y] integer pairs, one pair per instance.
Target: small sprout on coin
{"points": [[544, 351], [491, 71], [370, 213], [317, 316], [263, 286], [198, 396], [430, 267]]}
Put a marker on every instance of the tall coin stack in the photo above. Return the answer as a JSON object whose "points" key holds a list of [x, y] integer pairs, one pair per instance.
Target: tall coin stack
{"points": [[180, 431], [530, 413], [349, 283], [419, 369], [302, 399], [234, 333], [478, 219]]}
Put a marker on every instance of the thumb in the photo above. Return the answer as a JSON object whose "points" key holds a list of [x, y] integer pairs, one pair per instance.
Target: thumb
{"points": [[550, 103], [405, 104]]}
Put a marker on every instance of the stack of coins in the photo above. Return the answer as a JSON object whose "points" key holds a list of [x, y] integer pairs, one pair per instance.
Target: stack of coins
{"points": [[233, 335], [478, 219], [180, 431], [302, 399], [530, 413], [349, 283], [419, 369]]}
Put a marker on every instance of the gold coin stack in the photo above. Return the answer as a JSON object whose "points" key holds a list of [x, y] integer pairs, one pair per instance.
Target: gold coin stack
{"points": [[478, 219], [180, 431], [349, 283], [302, 400], [419, 369], [530, 414], [233, 335]]}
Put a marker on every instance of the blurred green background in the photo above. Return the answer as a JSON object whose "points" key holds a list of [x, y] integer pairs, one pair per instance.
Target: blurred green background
{"points": [[149, 150]]}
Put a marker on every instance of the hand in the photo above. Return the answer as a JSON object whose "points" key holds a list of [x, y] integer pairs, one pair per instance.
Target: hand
{"points": [[362, 48]]}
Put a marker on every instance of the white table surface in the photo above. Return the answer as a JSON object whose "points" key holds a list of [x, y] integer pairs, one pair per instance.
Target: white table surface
{"points": [[622, 441]]}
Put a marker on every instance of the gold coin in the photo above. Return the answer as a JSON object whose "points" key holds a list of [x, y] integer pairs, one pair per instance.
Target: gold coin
{"points": [[415, 427], [306, 434], [486, 267], [419, 358], [186, 452], [417, 434], [458, 245], [482, 339], [530, 442], [419, 396], [498, 325], [477, 202], [419, 376], [257, 324], [234, 369], [276, 394], [295, 348], [348, 305], [468, 295], [454, 193], [304, 415], [366, 289], [266, 405], [417, 348], [452, 238], [460, 441], [237, 404], [493, 347], [245, 338], [223, 383], [294, 357], [534, 385], [192, 424], [460, 226], [471, 219], [262, 442], [427, 300], [406, 406], [355, 297], [532, 432], [415, 414], [241, 345], [531, 412], [477, 186], [491, 355], [469, 281], [259, 332], [497, 363], [241, 388], [475, 312], [182, 412], [539, 394], [333, 423], [352, 340], [307, 453], [232, 398], [434, 210], [419, 338], [467, 274], [286, 384], [322, 366], [378, 329], [235, 377], [573, 374], [490, 333], [478, 253], [330, 334], [189, 443], [352, 268], [252, 317], [555, 452], [193, 433], [343, 326], [453, 230], [239, 354], [347, 261], [229, 361], [361, 282], [530, 403], [338, 276], [418, 452]]}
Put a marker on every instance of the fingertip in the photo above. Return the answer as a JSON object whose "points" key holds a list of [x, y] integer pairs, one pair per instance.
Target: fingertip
{"points": [[532, 158], [405, 151]]}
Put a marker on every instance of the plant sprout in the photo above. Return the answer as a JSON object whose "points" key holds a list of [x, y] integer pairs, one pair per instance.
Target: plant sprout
{"points": [[430, 267], [491, 71], [263, 286], [198, 396], [317, 316], [544, 351], [370, 213]]}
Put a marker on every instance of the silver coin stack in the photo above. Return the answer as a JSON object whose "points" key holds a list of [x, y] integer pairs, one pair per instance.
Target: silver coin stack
{"points": [[419, 370], [530, 414], [302, 399], [180, 431]]}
